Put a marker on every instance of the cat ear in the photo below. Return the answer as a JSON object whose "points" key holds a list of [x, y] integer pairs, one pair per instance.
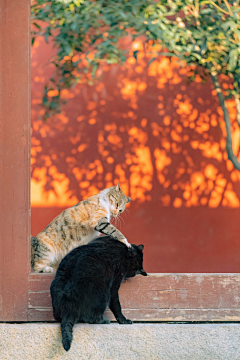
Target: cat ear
{"points": [[141, 247], [128, 199], [118, 187]]}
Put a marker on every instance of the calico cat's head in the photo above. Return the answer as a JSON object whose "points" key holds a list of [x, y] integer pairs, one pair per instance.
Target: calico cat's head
{"points": [[135, 266], [117, 200]]}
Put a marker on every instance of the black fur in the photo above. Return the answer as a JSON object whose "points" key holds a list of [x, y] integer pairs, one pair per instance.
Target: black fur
{"points": [[87, 282]]}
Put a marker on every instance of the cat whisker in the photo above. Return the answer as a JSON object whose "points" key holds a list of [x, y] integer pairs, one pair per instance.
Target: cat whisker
{"points": [[122, 220], [118, 218], [115, 221], [127, 211]]}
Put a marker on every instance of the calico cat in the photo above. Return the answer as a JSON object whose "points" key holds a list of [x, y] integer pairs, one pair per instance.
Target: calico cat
{"points": [[77, 226], [88, 280]]}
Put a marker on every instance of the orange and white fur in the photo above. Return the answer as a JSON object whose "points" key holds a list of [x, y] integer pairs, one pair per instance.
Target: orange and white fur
{"points": [[77, 226]]}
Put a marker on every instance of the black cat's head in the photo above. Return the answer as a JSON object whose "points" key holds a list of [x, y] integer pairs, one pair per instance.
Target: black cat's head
{"points": [[135, 256]]}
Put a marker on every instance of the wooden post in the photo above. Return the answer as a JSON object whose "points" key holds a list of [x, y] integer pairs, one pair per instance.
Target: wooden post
{"points": [[14, 158]]}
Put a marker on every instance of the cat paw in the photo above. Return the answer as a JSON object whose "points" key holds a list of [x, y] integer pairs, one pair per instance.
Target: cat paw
{"points": [[48, 269], [124, 321], [105, 320], [102, 223], [124, 241]]}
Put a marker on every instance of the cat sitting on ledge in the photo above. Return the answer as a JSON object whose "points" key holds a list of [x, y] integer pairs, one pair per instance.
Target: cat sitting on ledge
{"points": [[87, 282]]}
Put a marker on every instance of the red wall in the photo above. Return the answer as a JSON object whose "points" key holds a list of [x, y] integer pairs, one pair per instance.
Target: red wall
{"points": [[162, 139]]}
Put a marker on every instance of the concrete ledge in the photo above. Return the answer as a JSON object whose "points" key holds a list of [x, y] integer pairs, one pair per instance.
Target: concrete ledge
{"points": [[122, 342]]}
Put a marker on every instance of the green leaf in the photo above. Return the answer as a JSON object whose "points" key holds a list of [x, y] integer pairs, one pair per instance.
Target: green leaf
{"points": [[135, 54], [94, 69], [37, 26], [67, 49], [237, 32], [206, 11], [196, 55], [46, 35], [204, 47], [168, 54], [233, 59]]}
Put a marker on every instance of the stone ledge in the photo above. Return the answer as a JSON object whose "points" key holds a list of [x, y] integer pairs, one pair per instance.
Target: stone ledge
{"points": [[122, 342]]}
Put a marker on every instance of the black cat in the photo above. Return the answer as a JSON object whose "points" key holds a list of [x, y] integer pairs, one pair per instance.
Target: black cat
{"points": [[88, 280]]}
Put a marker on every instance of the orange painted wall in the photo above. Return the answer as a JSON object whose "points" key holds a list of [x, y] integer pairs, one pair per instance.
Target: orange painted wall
{"points": [[162, 139]]}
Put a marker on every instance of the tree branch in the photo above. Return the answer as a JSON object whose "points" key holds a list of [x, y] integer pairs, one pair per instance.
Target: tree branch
{"points": [[221, 99], [237, 101]]}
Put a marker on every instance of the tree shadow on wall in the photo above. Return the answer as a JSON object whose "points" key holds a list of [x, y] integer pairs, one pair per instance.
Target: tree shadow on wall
{"points": [[140, 125]]}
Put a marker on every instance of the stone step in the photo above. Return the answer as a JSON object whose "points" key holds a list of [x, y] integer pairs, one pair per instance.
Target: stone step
{"points": [[146, 341]]}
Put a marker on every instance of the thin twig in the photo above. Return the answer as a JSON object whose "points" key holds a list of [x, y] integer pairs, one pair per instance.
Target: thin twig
{"points": [[196, 14], [228, 6], [218, 7]]}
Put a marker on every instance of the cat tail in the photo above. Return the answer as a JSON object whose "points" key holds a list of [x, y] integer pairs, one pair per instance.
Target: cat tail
{"points": [[67, 330]]}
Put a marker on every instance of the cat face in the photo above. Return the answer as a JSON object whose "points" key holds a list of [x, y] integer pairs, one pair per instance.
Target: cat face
{"points": [[136, 261], [117, 200]]}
